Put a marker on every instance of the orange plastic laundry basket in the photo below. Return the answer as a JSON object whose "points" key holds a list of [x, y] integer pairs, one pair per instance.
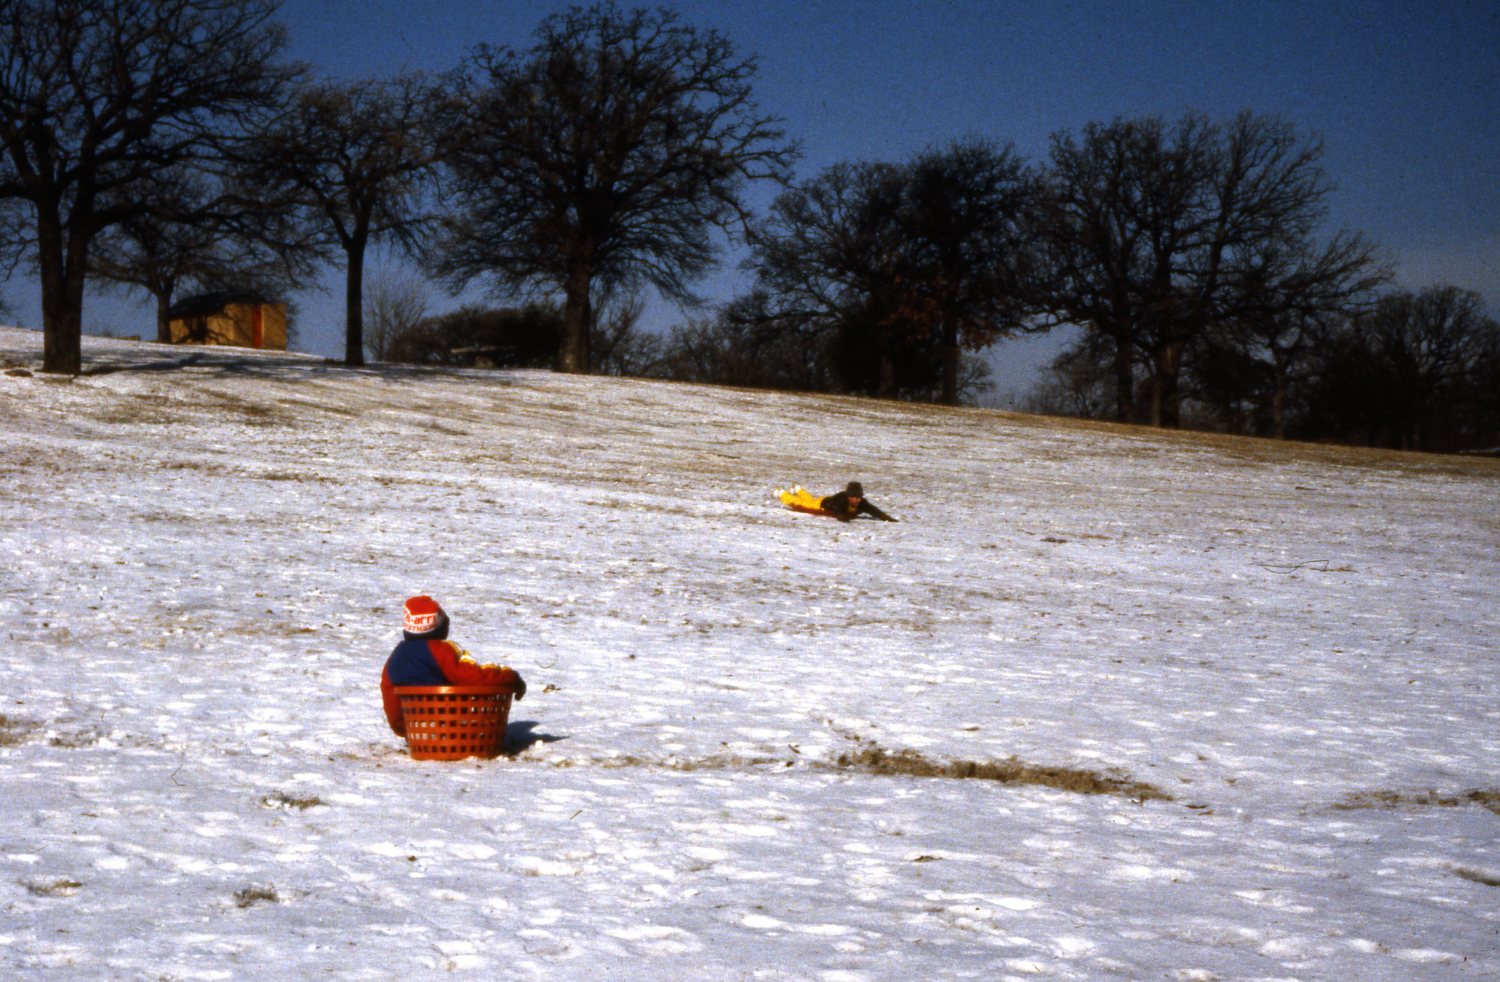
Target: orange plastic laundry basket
{"points": [[451, 722]]}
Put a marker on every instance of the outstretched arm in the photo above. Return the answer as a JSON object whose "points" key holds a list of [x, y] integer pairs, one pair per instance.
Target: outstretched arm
{"points": [[868, 509], [460, 668]]}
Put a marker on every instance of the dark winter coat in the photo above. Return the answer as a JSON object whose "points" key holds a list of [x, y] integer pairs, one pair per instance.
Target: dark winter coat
{"points": [[841, 507], [424, 661]]}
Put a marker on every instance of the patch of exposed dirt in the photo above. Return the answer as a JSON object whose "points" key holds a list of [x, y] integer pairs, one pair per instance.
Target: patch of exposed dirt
{"points": [[251, 896], [61, 887], [874, 759], [377, 751], [713, 762], [14, 732], [1474, 876], [1485, 798]]}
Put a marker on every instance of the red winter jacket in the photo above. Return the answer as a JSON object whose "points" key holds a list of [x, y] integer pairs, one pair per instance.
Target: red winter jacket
{"points": [[418, 661]]}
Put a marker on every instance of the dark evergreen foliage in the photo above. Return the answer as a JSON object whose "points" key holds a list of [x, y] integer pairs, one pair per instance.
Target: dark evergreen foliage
{"points": [[526, 337]]}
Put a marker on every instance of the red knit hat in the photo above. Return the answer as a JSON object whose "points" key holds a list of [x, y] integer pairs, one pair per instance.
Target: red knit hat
{"points": [[421, 614]]}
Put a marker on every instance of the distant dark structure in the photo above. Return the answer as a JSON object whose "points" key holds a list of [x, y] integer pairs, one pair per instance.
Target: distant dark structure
{"points": [[242, 319]]}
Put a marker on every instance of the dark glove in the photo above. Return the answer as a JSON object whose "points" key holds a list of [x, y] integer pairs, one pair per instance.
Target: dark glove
{"points": [[520, 687]]}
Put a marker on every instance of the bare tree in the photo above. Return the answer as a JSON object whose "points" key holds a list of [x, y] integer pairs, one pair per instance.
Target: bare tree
{"points": [[97, 97], [830, 253], [1288, 296], [752, 341], [354, 159], [968, 256], [619, 345], [1248, 246], [1079, 382], [912, 261], [153, 252], [1428, 345], [605, 154], [747, 342], [1110, 197], [1152, 232], [13, 239], [395, 301], [199, 233]]}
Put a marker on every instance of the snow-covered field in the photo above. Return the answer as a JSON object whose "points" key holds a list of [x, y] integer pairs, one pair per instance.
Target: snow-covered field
{"points": [[1246, 691]]}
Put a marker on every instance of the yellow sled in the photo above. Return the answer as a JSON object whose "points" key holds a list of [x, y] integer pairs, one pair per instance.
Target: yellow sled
{"points": [[798, 499]]}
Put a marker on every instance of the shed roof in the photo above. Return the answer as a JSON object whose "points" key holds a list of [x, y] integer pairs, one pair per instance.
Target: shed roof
{"points": [[204, 304]]}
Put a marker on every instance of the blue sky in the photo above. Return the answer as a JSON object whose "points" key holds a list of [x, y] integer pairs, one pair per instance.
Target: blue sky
{"points": [[1405, 96]]}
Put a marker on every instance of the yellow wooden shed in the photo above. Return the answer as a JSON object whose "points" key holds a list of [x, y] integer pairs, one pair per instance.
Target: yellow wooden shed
{"points": [[246, 320]]}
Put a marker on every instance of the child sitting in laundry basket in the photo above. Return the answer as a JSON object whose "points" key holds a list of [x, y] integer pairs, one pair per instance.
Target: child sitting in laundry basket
{"points": [[425, 656]]}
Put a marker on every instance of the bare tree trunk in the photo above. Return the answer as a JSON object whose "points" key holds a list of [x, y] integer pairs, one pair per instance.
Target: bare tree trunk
{"points": [[163, 321], [574, 355], [62, 268], [354, 302], [62, 327], [1279, 394], [1124, 380], [949, 396], [1166, 397], [887, 384]]}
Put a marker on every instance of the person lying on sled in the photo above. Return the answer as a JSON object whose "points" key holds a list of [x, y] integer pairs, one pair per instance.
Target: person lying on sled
{"points": [[850, 503], [425, 656]]}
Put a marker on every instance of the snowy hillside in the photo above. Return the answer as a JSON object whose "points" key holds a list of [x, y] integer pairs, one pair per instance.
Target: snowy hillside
{"points": [[1229, 706]]}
